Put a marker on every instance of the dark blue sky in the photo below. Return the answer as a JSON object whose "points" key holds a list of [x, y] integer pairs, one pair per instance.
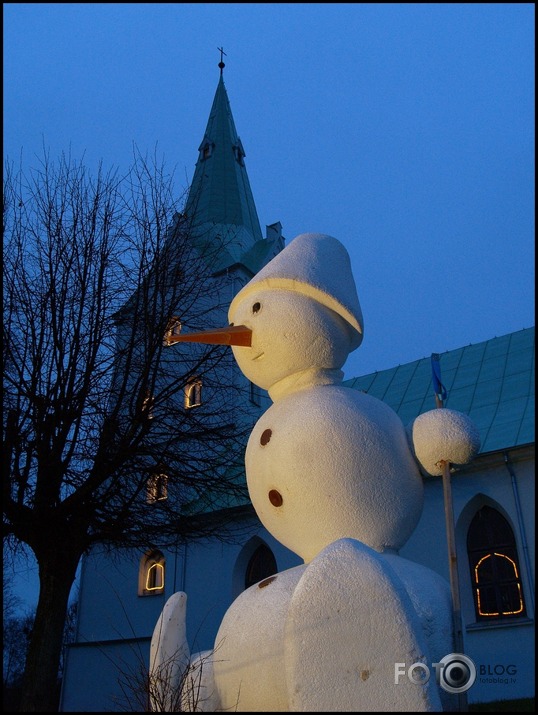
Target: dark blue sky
{"points": [[406, 130]]}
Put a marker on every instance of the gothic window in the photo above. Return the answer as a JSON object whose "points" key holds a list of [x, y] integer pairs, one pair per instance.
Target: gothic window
{"points": [[147, 405], [206, 149], [494, 565], [151, 574], [261, 565], [174, 328], [193, 393], [239, 152], [157, 488]]}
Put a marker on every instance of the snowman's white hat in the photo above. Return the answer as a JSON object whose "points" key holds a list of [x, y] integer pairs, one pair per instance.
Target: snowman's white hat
{"points": [[316, 265]]}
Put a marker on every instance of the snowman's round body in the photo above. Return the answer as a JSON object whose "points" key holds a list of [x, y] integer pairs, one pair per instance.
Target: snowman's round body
{"points": [[327, 636], [328, 462], [329, 471]]}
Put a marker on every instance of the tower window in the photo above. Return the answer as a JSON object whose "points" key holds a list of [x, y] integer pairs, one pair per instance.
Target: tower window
{"points": [[151, 574], [147, 405], [157, 488], [193, 394], [494, 566], [174, 328], [206, 149], [239, 152]]}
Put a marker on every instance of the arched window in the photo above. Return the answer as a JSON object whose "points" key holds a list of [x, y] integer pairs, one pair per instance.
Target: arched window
{"points": [[262, 564], [239, 152], [193, 394], [151, 574], [206, 149], [494, 564], [172, 331], [157, 489]]}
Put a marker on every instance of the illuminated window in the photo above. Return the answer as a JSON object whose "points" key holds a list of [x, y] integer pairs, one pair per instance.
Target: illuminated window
{"points": [[157, 488], [174, 328], [193, 393], [494, 565], [261, 565], [151, 574], [147, 405]]}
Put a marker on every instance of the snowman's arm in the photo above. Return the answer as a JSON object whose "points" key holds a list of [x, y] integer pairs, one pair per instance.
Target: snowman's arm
{"points": [[443, 435], [349, 623], [199, 692], [179, 682], [169, 655]]}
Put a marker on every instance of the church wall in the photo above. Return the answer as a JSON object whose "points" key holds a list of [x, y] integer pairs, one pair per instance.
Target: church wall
{"points": [[105, 677], [112, 583], [491, 647], [212, 575], [113, 639], [215, 577]]}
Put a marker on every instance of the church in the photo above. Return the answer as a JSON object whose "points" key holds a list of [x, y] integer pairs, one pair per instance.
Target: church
{"points": [[122, 595]]}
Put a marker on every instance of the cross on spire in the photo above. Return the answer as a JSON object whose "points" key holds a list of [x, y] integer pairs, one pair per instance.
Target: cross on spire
{"points": [[221, 63]]}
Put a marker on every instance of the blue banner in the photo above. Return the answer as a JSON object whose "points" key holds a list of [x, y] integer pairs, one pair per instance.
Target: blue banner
{"points": [[438, 386]]}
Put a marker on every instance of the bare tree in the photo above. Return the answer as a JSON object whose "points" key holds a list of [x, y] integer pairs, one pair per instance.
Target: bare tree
{"points": [[17, 631], [97, 271]]}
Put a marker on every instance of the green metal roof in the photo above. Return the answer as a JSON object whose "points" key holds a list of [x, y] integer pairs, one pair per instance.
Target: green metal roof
{"points": [[492, 382], [220, 198]]}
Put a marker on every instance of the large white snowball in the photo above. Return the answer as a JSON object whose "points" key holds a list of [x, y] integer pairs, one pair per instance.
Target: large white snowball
{"points": [[444, 435]]}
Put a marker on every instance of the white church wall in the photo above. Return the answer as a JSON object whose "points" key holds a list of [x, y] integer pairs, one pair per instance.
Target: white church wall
{"points": [[112, 583], [503, 652], [107, 677]]}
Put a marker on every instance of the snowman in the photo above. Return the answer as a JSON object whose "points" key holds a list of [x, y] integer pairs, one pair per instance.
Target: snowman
{"points": [[335, 476]]}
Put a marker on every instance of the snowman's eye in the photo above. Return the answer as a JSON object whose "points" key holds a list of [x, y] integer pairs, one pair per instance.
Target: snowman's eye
{"points": [[256, 307]]}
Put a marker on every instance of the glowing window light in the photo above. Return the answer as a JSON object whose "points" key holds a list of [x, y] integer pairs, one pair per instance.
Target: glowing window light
{"points": [[157, 488], [147, 405], [193, 394], [174, 328], [155, 577], [477, 581]]}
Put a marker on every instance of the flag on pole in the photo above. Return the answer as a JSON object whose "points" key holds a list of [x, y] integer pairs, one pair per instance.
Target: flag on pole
{"points": [[438, 387]]}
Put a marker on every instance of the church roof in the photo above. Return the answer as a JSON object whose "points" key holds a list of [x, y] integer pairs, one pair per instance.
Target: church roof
{"points": [[492, 382], [220, 200]]}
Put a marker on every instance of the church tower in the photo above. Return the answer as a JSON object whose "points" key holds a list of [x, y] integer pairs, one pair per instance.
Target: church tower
{"points": [[220, 203], [122, 593]]}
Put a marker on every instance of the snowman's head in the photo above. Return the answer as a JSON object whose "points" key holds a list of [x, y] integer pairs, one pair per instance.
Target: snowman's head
{"points": [[303, 310], [291, 332]]}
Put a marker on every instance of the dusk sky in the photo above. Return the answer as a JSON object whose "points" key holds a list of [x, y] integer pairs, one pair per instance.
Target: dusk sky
{"points": [[405, 130]]}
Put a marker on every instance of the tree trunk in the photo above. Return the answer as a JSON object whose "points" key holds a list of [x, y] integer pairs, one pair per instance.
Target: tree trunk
{"points": [[40, 685]]}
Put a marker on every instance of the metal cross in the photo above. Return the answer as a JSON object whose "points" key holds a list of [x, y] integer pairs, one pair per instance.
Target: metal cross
{"points": [[221, 63]]}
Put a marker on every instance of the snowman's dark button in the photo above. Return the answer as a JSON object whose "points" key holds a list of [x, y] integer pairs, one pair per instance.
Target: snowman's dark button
{"points": [[275, 498], [266, 581], [266, 436]]}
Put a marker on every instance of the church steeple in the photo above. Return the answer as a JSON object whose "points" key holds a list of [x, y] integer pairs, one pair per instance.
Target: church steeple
{"points": [[220, 200]]}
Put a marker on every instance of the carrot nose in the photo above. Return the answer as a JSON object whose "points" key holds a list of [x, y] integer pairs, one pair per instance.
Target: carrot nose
{"points": [[231, 335]]}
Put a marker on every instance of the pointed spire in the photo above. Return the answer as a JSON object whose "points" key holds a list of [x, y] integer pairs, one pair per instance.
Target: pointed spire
{"points": [[220, 195]]}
